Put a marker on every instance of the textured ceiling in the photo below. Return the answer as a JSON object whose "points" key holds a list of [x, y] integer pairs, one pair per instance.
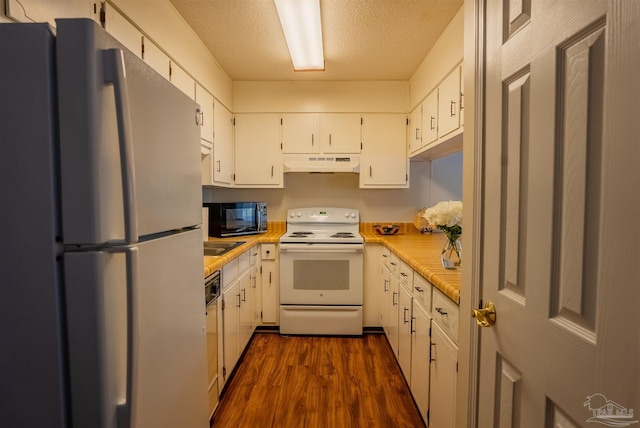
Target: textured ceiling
{"points": [[363, 39]]}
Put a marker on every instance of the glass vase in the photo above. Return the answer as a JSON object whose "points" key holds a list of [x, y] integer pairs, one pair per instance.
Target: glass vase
{"points": [[452, 253]]}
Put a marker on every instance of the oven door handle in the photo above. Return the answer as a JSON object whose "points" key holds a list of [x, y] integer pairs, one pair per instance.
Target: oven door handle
{"points": [[318, 249]]}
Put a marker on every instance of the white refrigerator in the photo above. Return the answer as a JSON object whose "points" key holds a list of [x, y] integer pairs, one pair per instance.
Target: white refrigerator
{"points": [[102, 306]]}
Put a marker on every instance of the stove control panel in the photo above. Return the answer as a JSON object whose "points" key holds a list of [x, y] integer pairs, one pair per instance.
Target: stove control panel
{"points": [[323, 215]]}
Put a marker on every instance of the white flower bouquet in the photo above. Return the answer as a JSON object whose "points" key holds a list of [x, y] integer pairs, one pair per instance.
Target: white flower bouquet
{"points": [[447, 216]]}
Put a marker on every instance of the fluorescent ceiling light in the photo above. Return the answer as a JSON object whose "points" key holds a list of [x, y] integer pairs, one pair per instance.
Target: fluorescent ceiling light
{"points": [[300, 20]]}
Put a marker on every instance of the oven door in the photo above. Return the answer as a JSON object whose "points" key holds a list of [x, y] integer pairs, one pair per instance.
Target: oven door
{"points": [[321, 274]]}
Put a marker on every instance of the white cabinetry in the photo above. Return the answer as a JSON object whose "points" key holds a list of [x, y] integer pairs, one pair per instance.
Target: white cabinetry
{"points": [[123, 30], [154, 56], [392, 335], [404, 331], [383, 162], [300, 133], [222, 146], [205, 99], [414, 135], [212, 354], [420, 348], [340, 133], [258, 159], [444, 371], [182, 80], [442, 119], [230, 328], [430, 118], [449, 103], [269, 284], [385, 290]]}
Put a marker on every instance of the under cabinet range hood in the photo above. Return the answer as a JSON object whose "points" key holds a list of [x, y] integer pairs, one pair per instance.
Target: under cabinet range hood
{"points": [[321, 163]]}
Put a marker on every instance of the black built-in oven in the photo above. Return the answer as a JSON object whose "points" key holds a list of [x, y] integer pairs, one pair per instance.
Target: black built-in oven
{"points": [[236, 218]]}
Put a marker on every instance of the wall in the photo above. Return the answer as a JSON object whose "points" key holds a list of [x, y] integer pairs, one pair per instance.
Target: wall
{"points": [[443, 57], [340, 190], [446, 178], [321, 96]]}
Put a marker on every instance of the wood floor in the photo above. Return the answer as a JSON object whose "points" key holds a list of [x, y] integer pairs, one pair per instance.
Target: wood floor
{"points": [[302, 381]]}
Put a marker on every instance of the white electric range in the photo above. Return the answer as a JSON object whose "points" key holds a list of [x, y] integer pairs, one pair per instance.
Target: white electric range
{"points": [[321, 272]]}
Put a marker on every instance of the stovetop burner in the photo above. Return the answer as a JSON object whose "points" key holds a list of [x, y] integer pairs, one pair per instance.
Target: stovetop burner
{"points": [[320, 225], [342, 235]]}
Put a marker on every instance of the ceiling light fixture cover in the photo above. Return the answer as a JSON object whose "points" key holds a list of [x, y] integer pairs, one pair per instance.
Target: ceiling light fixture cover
{"points": [[300, 20]]}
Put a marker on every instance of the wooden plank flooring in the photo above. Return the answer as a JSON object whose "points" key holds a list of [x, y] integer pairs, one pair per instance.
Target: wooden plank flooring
{"points": [[308, 381]]}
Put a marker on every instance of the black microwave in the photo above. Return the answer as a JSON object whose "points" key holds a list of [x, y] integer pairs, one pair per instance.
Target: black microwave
{"points": [[236, 218]]}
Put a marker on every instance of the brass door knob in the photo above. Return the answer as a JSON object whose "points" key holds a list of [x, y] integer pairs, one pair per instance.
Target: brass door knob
{"points": [[485, 317]]}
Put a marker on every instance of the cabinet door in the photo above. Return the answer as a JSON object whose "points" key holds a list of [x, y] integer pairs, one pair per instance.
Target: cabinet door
{"points": [[269, 292], [223, 145], [212, 354], [385, 299], [414, 135], [420, 344], [246, 311], [154, 56], [340, 133], [256, 297], [300, 133], [404, 332], [449, 104], [123, 30], [205, 99], [383, 162], [444, 363], [258, 160], [394, 288], [430, 118], [231, 326], [182, 80]]}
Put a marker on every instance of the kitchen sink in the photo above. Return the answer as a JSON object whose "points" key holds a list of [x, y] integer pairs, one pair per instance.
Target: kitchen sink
{"points": [[217, 249]]}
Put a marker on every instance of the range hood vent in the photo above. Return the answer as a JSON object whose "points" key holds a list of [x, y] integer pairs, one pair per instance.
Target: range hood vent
{"points": [[321, 163]]}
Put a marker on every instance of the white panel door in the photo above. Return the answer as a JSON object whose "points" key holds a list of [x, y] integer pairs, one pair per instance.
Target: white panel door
{"points": [[420, 357], [383, 162], [560, 252], [157, 59], [404, 332], [340, 133], [300, 133], [223, 145]]}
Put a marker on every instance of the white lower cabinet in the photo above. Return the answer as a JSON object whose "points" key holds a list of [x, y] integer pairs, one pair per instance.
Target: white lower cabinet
{"points": [[422, 338], [404, 331], [392, 335], [420, 348], [230, 328], [444, 371], [269, 289]]}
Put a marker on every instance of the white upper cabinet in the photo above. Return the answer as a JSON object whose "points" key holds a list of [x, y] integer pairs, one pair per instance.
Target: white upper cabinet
{"points": [[154, 56], [182, 80], [340, 133], [430, 118], [222, 146], [300, 133], [449, 103], [205, 99], [414, 135], [123, 30], [258, 159], [383, 162]]}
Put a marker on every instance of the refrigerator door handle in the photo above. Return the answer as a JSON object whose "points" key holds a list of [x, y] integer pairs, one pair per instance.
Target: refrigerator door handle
{"points": [[114, 73], [123, 408]]}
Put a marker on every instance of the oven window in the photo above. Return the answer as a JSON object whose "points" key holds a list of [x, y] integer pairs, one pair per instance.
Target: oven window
{"points": [[321, 274]]}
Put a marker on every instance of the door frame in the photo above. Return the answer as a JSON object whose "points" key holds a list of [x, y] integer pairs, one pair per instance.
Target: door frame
{"points": [[472, 197]]}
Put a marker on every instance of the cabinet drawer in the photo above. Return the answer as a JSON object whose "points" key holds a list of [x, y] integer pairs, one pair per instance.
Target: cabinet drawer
{"points": [[422, 291], [386, 257], [406, 275], [446, 314], [394, 265], [253, 255], [229, 273], [268, 251], [244, 261]]}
